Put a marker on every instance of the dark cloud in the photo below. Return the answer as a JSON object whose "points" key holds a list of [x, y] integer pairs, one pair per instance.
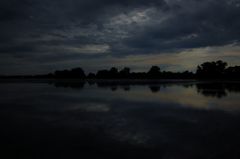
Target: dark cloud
{"points": [[212, 24], [55, 29]]}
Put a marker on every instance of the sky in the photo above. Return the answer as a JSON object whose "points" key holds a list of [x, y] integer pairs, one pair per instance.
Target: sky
{"points": [[40, 36]]}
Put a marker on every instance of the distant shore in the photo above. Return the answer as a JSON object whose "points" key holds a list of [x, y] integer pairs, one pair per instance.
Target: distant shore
{"points": [[113, 81], [214, 71]]}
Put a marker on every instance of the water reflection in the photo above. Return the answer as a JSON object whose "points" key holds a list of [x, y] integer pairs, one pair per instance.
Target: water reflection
{"points": [[218, 90], [65, 84], [154, 88], [208, 89], [150, 120]]}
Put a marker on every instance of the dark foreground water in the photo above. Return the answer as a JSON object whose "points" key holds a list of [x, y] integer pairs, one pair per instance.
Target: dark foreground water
{"points": [[183, 120]]}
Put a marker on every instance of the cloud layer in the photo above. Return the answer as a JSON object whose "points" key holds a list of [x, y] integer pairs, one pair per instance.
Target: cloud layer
{"points": [[50, 32]]}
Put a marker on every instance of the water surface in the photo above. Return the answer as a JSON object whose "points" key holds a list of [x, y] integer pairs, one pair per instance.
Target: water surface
{"points": [[120, 120]]}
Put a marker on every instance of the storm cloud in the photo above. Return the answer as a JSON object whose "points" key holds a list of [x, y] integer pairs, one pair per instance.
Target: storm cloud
{"points": [[53, 32]]}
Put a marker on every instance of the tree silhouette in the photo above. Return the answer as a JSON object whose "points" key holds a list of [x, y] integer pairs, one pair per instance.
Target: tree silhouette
{"points": [[233, 72], [77, 73], [207, 70], [113, 73], [73, 73], [211, 69], [154, 72], [124, 73], [91, 76], [101, 74]]}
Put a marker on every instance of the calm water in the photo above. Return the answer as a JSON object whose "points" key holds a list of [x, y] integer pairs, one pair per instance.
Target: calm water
{"points": [[120, 120]]}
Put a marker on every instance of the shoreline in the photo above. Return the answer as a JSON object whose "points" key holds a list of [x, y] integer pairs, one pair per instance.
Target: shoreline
{"points": [[113, 81]]}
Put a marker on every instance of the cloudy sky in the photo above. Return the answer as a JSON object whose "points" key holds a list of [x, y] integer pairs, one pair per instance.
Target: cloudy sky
{"points": [[39, 36]]}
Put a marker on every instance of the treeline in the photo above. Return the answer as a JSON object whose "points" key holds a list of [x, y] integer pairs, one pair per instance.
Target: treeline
{"points": [[125, 73], [217, 70], [207, 70]]}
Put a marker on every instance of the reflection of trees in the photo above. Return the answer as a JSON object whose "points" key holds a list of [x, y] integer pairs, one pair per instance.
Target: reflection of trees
{"points": [[126, 87], [65, 84], [218, 90], [208, 89], [233, 87], [114, 86], [211, 90], [189, 85], [154, 89]]}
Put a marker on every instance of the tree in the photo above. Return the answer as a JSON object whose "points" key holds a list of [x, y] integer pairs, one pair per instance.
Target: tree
{"points": [[101, 74], [91, 76], [113, 70], [73, 73], [221, 66], [113, 73], [124, 73], [154, 72], [233, 72], [77, 73], [211, 69]]}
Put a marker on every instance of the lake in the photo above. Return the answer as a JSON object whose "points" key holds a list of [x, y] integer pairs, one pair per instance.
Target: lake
{"points": [[107, 119]]}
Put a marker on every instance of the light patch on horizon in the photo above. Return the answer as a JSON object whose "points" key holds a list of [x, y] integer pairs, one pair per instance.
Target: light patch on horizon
{"points": [[185, 60], [189, 59]]}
